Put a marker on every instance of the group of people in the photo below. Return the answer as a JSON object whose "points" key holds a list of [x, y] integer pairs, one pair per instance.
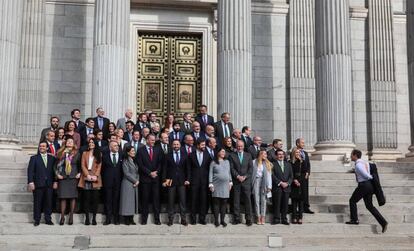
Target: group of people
{"points": [[137, 164]]}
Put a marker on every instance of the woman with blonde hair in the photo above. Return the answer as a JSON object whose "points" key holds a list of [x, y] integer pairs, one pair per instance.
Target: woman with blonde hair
{"points": [[67, 172], [297, 193], [262, 184], [120, 137]]}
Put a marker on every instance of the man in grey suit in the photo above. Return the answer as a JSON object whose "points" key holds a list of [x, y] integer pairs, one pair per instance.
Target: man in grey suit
{"points": [[54, 124], [241, 166], [282, 176], [121, 123]]}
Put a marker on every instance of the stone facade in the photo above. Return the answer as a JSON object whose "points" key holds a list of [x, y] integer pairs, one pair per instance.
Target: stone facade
{"points": [[57, 67]]}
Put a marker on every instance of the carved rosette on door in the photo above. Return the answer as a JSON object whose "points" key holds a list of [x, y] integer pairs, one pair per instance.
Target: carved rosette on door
{"points": [[169, 73]]}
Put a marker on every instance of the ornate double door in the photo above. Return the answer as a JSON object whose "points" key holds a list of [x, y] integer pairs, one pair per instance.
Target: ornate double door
{"points": [[169, 73]]}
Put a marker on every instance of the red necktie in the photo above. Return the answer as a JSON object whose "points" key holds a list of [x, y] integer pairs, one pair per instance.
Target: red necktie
{"points": [[52, 149], [150, 153], [189, 151]]}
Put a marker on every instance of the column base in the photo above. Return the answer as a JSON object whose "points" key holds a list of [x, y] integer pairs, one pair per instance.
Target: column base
{"points": [[333, 151], [387, 155], [9, 146]]}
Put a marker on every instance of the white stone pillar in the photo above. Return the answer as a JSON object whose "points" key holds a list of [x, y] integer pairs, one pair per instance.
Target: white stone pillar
{"points": [[333, 79], [302, 71], [111, 54], [30, 92], [382, 95], [234, 90], [10, 40], [410, 49]]}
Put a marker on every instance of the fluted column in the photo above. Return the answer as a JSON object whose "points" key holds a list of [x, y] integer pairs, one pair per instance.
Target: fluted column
{"points": [[111, 53], [410, 49], [333, 79], [30, 92], [10, 40], [234, 89], [382, 95], [302, 70]]}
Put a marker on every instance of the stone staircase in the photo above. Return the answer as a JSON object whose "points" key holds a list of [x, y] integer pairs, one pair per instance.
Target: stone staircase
{"points": [[330, 189]]}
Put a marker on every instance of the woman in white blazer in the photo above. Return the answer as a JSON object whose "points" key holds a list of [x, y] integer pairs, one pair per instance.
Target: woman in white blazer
{"points": [[262, 184]]}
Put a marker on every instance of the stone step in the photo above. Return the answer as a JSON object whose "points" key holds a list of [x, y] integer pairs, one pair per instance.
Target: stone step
{"points": [[351, 176], [401, 208], [334, 190], [352, 183], [315, 199], [327, 167]]}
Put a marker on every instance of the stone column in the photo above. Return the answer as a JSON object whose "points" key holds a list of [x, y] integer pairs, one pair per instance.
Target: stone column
{"points": [[30, 92], [234, 89], [333, 79], [410, 49], [111, 54], [10, 40], [302, 71], [382, 93]]}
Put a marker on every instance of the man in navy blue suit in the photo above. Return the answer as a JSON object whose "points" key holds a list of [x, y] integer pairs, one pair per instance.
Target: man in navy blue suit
{"points": [[177, 133], [111, 181], [40, 179], [203, 118]]}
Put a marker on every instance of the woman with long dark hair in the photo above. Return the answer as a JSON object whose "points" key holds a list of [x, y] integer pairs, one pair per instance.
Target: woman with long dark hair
{"points": [[220, 184], [90, 180], [70, 128], [67, 173]]}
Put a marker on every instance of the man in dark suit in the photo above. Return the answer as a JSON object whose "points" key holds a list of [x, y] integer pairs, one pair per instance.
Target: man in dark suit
{"points": [[86, 130], [129, 125], [111, 179], [76, 115], [176, 133], [198, 171], [256, 146], [197, 133], [223, 128], [40, 179], [241, 166], [188, 146], [175, 178], [142, 122], [163, 143], [99, 141], [246, 131], [150, 161], [136, 141], [52, 145], [277, 145], [282, 176], [186, 125], [101, 122], [54, 124], [203, 118], [211, 147], [300, 144]]}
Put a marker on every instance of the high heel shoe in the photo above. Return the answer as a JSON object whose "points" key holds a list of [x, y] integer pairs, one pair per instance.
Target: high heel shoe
{"points": [[62, 220], [70, 219], [94, 220]]}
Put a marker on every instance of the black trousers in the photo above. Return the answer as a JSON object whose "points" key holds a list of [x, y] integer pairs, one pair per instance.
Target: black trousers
{"points": [[42, 199], [199, 195], [280, 201], [90, 201], [244, 191], [297, 208], [150, 194], [112, 201], [365, 190], [305, 190], [172, 192], [219, 207]]}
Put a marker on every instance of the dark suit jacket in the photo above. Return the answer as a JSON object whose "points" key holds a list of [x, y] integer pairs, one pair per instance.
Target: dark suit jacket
{"points": [[198, 175], [138, 127], [271, 155], [279, 176], [38, 173], [379, 193], [55, 145], [171, 136], [184, 129], [247, 142], [199, 119], [146, 166], [184, 148], [252, 150], [43, 133], [200, 135], [104, 145], [111, 175], [178, 173], [219, 130], [243, 169], [127, 136], [307, 165], [84, 135], [105, 127]]}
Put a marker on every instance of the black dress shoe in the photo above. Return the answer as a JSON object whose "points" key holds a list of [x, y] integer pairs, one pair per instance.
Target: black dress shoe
{"points": [[224, 224], [308, 211], [193, 220], [132, 222], [236, 222], [384, 227], [249, 223], [116, 222], [203, 222], [36, 223], [107, 222], [143, 222], [184, 223], [94, 222], [275, 222], [50, 223], [352, 222], [285, 222], [157, 222], [216, 224]]}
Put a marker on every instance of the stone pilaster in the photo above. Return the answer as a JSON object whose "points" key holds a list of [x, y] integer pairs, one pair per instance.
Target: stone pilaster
{"points": [[333, 79], [30, 92], [302, 71], [10, 41], [111, 54], [410, 49], [382, 93], [234, 60]]}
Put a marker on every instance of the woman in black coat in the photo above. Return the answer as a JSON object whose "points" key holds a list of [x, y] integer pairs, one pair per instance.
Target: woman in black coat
{"points": [[297, 193]]}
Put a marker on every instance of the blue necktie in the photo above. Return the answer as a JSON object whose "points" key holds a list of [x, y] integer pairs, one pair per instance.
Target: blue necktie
{"points": [[177, 158]]}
